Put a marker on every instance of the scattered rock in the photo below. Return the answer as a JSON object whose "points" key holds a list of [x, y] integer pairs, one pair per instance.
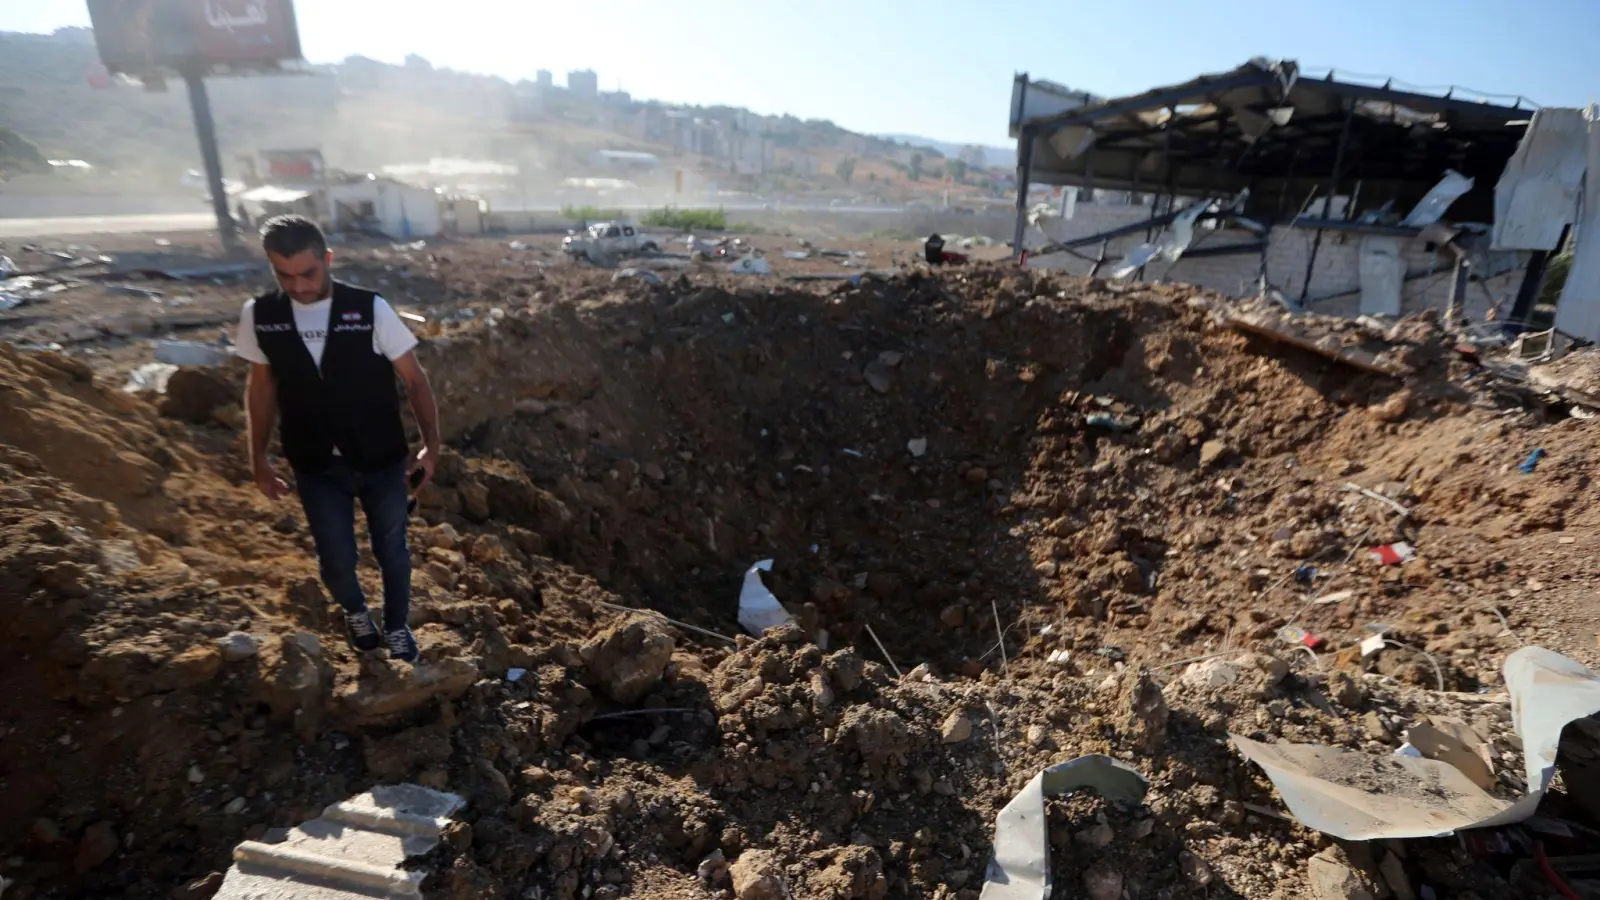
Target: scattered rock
{"points": [[1212, 452], [98, 844], [1143, 710], [1331, 879], [1195, 870], [1393, 409], [758, 876], [953, 615], [628, 659], [1210, 674], [1095, 837], [474, 500], [957, 728], [1372, 723], [238, 646], [1346, 690], [398, 688], [1102, 881]]}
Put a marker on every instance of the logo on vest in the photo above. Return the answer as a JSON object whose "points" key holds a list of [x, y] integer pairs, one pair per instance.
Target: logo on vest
{"points": [[351, 316]]}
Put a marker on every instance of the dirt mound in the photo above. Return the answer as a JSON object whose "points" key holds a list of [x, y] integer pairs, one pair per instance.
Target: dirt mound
{"points": [[1043, 495]]}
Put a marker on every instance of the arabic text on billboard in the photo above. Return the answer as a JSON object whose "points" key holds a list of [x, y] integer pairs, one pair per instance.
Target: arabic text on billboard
{"points": [[144, 35]]}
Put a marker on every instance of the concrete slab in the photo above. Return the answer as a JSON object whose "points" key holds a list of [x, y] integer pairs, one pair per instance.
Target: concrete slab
{"points": [[353, 850]]}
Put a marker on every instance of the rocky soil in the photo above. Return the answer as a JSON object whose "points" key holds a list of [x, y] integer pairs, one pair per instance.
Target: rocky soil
{"points": [[1047, 497]]}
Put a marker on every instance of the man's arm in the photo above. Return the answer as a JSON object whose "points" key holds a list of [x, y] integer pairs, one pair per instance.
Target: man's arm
{"points": [[261, 403], [420, 393]]}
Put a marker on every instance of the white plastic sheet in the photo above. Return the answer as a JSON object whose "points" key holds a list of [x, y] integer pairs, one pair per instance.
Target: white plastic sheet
{"points": [[758, 608]]}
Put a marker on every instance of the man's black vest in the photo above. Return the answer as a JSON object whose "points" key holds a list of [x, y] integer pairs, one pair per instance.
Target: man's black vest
{"points": [[351, 404]]}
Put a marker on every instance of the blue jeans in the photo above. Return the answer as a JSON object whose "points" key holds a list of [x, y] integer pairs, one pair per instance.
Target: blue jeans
{"points": [[329, 499]]}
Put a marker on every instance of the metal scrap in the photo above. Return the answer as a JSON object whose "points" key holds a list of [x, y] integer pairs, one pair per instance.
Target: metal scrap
{"points": [[1359, 796], [1020, 868]]}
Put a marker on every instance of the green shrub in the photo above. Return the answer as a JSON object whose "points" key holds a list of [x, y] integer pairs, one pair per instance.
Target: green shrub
{"points": [[589, 213], [685, 219]]}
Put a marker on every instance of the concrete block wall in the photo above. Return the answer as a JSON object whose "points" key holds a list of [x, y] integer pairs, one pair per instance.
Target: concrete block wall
{"points": [[1335, 281]]}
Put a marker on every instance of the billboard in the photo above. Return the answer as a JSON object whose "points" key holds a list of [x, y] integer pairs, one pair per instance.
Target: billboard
{"points": [[140, 36]]}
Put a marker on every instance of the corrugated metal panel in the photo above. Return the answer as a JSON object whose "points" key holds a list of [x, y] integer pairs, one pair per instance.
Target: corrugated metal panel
{"points": [[1537, 196], [1578, 311]]}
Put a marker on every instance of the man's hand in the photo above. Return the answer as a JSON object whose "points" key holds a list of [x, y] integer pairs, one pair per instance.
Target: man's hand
{"points": [[268, 482], [422, 470]]}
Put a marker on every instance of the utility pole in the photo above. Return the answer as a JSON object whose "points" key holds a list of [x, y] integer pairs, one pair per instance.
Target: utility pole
{"points": [[205, 127]]}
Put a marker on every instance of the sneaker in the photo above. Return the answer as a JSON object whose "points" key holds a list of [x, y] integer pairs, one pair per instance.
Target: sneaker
{"points": [[363, 631], [403, 645]]}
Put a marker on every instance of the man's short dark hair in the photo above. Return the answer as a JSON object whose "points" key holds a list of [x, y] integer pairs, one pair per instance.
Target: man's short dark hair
{"points": [[289, 235]]}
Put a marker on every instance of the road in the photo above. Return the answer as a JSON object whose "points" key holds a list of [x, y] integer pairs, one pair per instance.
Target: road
{"points": [[75, 225]]}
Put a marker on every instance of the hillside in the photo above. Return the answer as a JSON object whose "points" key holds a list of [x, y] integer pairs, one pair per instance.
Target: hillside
{"points": [[365, 114]]}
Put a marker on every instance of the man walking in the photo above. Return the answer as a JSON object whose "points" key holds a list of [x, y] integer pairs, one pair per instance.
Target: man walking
{"points": [[325, 355]]}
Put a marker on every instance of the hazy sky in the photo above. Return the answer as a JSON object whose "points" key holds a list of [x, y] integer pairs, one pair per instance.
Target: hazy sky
{"points": [[943, 68]]}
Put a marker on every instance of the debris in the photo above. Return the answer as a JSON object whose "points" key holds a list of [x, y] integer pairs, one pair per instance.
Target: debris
{"points": [[1432, 207], [1101, 881], [150, 377], [796, 254], [1372, 644], [1358, 796], [1335, 597], [917, 447], [886, 657], [1332, 879], [1211, 673], [757, 875], [135, 291], [1292, 634], [238, 646], [1195, 870], [1531, 462], [1110, 422], [644, 275], [751, 264], [957, 727], [1453, 741], [759, 610], [192, 353], [515, 674], [356, 848], [629, 659], [1020, 868], [1211, 451], [1392, 554]]}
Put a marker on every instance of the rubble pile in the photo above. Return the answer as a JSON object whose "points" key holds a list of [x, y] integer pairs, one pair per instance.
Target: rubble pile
{"points": [[1017, 519]]}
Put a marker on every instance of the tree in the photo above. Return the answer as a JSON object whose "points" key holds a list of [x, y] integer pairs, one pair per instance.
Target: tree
{"points": [[846, 169], [916, 167], [957, 169]]}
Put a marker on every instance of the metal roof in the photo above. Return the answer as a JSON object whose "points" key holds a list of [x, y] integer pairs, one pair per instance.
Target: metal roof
{"points": [[1266, 127]]}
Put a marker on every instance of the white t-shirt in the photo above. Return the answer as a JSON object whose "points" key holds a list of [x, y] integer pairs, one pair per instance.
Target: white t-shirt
{"points": [[390, 336]]}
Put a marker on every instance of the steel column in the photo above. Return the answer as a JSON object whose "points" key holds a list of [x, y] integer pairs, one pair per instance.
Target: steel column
{"points": [[205, 127], [1024, 177], [1327, 204]]}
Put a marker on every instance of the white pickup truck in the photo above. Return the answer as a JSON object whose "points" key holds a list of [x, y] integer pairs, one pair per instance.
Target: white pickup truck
{"points": [[608, 241]]}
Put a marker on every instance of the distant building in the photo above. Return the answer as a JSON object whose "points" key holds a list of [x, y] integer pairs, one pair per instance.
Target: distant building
{"points": [[545, 79], [629, 160], [616, 98], [973, 155], [584, 83]]}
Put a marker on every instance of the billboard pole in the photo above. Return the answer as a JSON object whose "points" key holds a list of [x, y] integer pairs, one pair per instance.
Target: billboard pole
{"points": [[206, 128]]}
